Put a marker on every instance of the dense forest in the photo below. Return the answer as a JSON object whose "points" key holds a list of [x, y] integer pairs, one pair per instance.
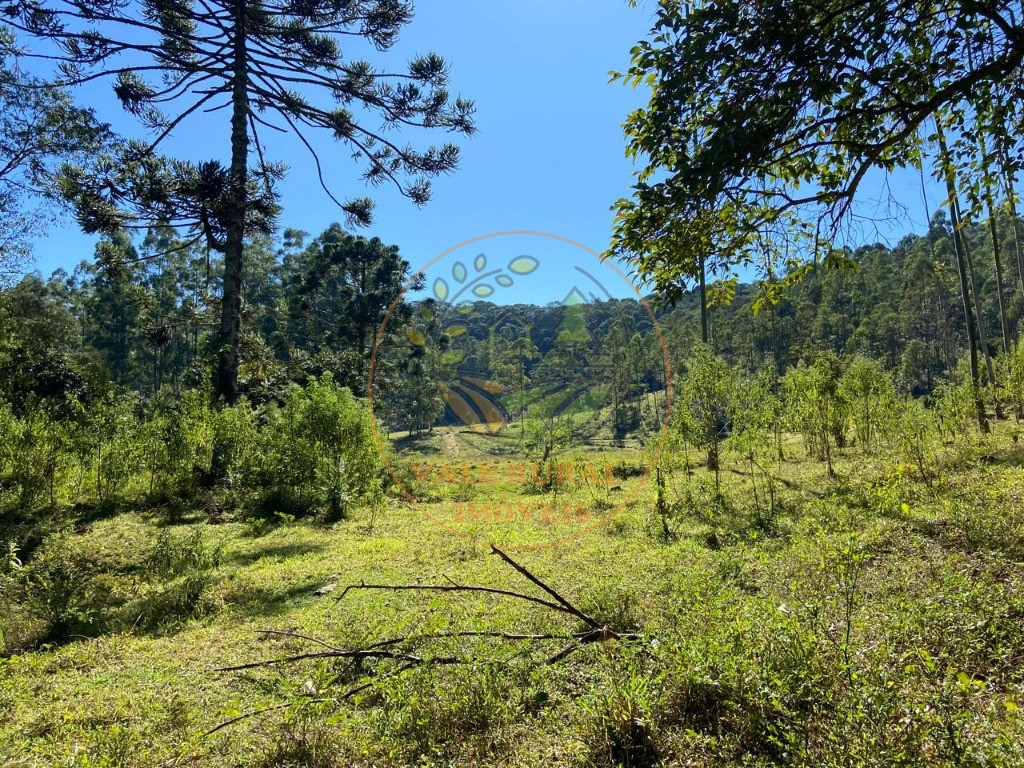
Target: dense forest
{"points": [[137, 319], [265, 502]]}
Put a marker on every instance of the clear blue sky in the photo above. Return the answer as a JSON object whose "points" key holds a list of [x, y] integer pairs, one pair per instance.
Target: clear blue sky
{"points": [[548, 155]]}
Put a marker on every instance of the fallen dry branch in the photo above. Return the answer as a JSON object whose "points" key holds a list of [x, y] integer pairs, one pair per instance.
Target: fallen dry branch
{"points": [[400, 649]]}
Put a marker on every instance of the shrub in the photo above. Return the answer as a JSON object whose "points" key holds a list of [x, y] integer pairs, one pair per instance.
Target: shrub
{"points": [[869, 391], [705, 395], [112, 442], [179, 443], [817, 407], [234, 448], [914, 430], [185, 570], [621, 730], [33, 455], [35, 466], [318, 453], [60, 593]]}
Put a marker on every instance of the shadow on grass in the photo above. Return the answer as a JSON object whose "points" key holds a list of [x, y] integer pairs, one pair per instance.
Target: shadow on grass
{"points": [[255, 600], [275, 551], [421, 443]]}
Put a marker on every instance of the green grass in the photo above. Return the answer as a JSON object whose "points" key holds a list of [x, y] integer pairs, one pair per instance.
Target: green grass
{"points": [[873, 619]]}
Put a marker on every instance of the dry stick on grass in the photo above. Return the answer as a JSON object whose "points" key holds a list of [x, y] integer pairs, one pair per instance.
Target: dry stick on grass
{"points": [[565, 603], [595, 633]]}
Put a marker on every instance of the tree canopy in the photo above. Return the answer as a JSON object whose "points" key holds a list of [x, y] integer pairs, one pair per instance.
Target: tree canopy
{"points": [[39, 128], [765, 117], [273, 67]]}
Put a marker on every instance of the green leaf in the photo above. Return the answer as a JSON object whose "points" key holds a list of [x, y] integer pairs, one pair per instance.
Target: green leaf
{"points": [[483, 291], [440, 289], [504, 281], [523, 265], [459, 272], [480, 263]]}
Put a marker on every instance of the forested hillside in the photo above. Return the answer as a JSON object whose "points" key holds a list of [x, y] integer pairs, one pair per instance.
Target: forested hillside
{"points": [[139, 317]]}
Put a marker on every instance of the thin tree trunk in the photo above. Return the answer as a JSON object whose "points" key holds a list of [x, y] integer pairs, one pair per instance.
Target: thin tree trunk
{"points": [[982, 335], [948, 347], [975, 293], [226, 384], [993, 228], [702, 276], [1004, 321], [1011, 205], [712, 428], [961, 268]]}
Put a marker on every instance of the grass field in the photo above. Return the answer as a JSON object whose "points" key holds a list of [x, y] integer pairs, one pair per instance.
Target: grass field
{"points": [[873, 618]]}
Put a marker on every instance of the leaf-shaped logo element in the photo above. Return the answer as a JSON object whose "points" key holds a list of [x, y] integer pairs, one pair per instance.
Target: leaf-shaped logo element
{"points": [[473, 408], [440, 289], [415, 337], [523, 265], [504, 281], [459, 272], [454, 331], [483, 290], [480, 263], [490, 387]]}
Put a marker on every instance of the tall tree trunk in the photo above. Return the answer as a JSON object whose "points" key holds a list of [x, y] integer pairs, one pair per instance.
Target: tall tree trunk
{"points": [[1011, 205], [961, 268], [712, 428], [993, 228], [976, 294], [702, 276], [226, 382], [1004, 321], [945, 337]]}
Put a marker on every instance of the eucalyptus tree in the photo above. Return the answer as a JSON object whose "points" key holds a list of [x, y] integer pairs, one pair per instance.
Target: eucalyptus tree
{"points": [[267, 66], [966, 275], [765, 118]]}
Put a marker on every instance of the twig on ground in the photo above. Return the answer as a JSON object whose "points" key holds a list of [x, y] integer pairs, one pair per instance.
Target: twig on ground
{"points": [[399, 649]]}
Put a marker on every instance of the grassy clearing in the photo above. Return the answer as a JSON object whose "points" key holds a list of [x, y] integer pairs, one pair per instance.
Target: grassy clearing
{"points": [[874, 619]]}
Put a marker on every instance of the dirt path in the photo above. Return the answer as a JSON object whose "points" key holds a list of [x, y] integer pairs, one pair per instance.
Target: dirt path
{"points": [[451, 444]]}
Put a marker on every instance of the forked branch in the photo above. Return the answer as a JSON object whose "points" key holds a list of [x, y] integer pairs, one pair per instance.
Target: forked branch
{"points": [[404, 649]]}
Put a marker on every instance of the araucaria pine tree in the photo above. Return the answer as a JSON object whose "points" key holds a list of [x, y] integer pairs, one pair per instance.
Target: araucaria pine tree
{"points": [[269, 65]]}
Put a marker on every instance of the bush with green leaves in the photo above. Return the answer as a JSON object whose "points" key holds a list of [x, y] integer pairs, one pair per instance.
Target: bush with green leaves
{"points": [[817, 406], [317, 454], [185, 570], [1011, 373], [178, 442], [58, 595], [955, 414], [38, 473], [870, 394], [32, 455], [620, 725], [914, 433], [756, 416], [112, 443], [12, 578], [235, 449], [702, 409]]}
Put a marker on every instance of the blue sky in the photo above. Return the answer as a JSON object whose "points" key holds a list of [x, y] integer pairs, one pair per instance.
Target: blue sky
{"points": [[548, 155]]}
